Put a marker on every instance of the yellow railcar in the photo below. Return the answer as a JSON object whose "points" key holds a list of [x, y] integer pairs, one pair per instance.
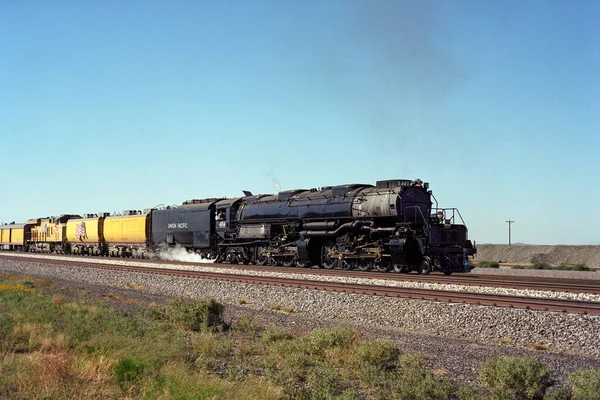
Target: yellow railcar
{"points": [[127, 235], [85, 235], [4, 234], [12, 236]]}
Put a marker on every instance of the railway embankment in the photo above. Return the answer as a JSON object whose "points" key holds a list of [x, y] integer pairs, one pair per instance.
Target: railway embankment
{"points": [[532, 254]]}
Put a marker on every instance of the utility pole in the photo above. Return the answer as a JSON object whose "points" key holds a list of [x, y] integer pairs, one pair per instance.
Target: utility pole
{"points": [[509, 224]]}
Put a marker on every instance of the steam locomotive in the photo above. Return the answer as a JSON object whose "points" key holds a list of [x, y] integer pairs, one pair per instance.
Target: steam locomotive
{"points": [[390, 225]]}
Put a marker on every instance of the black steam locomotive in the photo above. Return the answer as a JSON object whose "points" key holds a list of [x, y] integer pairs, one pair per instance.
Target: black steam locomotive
{"points": [[392, 225]]}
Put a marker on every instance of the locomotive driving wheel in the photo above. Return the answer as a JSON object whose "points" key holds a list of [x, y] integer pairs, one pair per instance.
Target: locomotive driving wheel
{"points": [[424, 266], [288, 261], [365, 264], [400, 268], [303, 264], [260, 258], [326, 261], [384, 265], [346, 265]]}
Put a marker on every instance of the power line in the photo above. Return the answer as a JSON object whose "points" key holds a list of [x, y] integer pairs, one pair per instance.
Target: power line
{"points": [[509, 224]]}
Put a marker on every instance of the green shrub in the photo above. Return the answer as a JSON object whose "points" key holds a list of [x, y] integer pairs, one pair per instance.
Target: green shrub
{"points": [[210, 349], [378, 353], [413, 382], [275, 334], [322, 383], [574, 267], [322, 340], [247, 324], [374, 377], [289, 370], [129, 370], [586, 384], [561, 267], [488, 264], [196, 315], [515, 378]]}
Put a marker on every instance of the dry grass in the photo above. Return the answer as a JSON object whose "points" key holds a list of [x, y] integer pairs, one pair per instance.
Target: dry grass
{"points": [[504, 340], [59, 299], [28, 337], [286, 309], [540, 346], [121, 299]]}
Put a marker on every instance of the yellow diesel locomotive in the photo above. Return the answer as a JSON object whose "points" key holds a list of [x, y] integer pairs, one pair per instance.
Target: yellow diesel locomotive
{"points": [[120, 235]]}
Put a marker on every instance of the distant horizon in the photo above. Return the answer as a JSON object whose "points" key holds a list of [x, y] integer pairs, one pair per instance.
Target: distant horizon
{"points": [[533, 244]]}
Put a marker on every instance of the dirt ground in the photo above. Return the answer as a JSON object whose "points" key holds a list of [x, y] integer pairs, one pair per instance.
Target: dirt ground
{"points": [[525, 254]]}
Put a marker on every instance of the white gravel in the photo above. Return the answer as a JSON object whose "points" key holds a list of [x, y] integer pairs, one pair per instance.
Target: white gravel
{"points": [[560, 331]]}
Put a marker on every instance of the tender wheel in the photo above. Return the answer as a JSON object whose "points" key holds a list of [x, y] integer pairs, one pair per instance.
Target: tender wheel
{"points": [[260, 258], [384, 265], [365, 264], [424, 266], [326, 261]]}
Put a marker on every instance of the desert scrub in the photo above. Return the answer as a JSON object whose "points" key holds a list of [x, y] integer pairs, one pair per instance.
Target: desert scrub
{"points": [[274, 334], [380, 354], [247, 323], [80, 349], [585, 384], [210, 349], [518, 378], [197, 315], [561, 267], [488, 264]]}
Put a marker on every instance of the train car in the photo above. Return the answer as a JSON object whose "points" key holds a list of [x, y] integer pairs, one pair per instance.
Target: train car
{"points": [[86, 235], [12, 236], [48, 234], [191, 226], [127, 235]]}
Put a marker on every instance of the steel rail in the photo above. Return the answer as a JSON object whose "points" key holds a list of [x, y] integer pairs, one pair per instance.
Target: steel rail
{"points": [[544, 304]]}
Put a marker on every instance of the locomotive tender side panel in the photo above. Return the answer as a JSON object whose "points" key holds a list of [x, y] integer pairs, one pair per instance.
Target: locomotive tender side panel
{"points": [[17, 236], [12, 236], [84, 230], [4, 235], [131, 229], [188, 227]]}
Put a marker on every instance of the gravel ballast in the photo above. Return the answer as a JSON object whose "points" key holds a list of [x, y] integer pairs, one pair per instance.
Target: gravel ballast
{"points": [[457, 337], [380, 281]]}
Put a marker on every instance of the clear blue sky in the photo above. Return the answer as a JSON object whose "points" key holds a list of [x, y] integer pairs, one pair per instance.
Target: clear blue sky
{"points": [[113, 105]]}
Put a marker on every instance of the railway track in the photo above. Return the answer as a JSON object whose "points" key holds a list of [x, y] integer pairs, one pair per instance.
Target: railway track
{"points": [[589, 286], [544, 304]]}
